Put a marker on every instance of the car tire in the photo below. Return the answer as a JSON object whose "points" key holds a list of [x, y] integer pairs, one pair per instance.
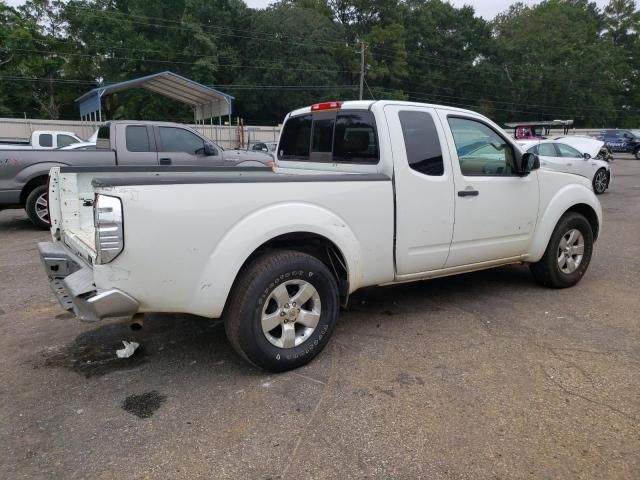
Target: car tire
{"points": [[562, 264], [36, 207], [637, 154], [600, 181], [265, 324]]}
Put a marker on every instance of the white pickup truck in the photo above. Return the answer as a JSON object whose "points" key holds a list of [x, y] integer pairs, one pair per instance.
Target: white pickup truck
{"points": [[41, 140], [364, 193]]}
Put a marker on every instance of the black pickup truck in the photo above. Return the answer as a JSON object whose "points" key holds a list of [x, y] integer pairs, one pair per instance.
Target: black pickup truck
{"points": [[23, 173]]}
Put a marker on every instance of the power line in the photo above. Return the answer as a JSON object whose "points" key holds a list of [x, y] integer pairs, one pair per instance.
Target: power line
{"points": [[226, 86], [176, 62]]}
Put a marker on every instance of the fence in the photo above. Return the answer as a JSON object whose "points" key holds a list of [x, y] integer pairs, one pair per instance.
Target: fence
{"points": [[224, 135]]}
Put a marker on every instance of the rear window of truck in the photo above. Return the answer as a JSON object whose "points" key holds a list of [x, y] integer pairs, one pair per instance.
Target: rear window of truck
{"points": [[335, 137]]}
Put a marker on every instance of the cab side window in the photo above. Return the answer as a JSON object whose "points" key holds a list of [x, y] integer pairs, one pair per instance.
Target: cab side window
{"points": [[137, 138], [421, 142], [481, 151], [180, 140]]}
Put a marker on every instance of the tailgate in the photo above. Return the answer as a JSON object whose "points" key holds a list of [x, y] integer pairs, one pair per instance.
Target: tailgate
{"points": [[71, 208]]}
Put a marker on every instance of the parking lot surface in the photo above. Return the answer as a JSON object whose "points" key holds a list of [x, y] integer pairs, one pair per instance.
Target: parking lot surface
{"points": [[485, 375]]}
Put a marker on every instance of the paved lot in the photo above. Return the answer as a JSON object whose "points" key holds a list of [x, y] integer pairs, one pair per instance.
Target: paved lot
{"points": [[479, 376]]}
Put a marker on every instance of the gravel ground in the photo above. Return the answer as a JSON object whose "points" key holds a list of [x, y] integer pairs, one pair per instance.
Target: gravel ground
{"points": [[484, 375]]}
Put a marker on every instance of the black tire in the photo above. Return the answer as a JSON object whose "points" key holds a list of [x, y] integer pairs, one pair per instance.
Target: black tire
{"points": [[637, 154], [600, 181], [253, 295], [547, 271], [31, 206]]}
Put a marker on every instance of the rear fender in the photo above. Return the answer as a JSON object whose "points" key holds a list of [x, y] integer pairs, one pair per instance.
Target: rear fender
{"points": [[31, 172], [256, 229]]}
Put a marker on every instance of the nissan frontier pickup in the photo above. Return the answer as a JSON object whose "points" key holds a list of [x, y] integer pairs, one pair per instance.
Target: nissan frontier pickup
{"points": [[364, 193]]}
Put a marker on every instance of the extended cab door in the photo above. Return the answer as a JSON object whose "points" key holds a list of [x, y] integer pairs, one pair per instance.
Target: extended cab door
{"points": [[495, 208], [424, 189], [135, 144], [179, 146]]}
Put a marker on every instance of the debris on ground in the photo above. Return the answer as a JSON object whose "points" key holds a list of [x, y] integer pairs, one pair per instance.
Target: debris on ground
{"points": [[127, 351]]}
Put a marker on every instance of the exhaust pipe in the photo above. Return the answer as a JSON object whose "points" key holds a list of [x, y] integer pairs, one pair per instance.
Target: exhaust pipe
{"points": [[138, 322]]}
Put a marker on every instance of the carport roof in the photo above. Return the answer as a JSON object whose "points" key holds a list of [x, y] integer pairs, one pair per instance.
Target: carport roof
{"points": [[206, 101]]}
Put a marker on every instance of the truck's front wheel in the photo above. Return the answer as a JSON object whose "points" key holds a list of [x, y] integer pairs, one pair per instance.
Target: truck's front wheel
{"points": [[282, 310], [568, 253]]}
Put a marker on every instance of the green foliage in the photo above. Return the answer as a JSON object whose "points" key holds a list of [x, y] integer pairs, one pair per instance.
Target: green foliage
{"points": [[558, 59]]}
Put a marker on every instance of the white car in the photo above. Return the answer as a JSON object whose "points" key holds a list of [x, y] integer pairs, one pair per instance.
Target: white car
{"points": [[80, 146], [573, 155], [364, 193]]}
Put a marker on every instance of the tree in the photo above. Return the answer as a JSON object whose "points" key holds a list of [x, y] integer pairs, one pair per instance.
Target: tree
{"points": [[555, 64], [288, 46]]}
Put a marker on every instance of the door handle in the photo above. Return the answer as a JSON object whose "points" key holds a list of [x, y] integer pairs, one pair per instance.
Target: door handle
{"points": [[468, 193], [165, 161]]}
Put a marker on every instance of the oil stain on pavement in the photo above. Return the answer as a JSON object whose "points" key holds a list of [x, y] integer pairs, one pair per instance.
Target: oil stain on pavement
{"points": [[143, 405]]}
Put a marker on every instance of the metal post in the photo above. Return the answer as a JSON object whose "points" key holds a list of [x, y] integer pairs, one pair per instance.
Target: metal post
{"points": [[229, 109], [361, 68]]}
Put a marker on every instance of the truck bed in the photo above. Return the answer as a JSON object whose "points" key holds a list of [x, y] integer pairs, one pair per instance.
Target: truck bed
{"points": [[202, 213]]}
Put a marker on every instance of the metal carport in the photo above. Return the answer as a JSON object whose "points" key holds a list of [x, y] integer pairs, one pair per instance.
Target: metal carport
{"points": [[207, 103]]}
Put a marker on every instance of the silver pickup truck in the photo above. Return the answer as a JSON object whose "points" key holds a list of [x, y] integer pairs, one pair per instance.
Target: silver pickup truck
{"points": [[24, 173]]}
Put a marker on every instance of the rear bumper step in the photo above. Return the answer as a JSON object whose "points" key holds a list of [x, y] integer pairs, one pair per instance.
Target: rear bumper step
{"points": [[72, 283]]}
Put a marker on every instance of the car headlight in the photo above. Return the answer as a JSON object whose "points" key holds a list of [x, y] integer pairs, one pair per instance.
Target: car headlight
{"points": [[109, 228]]}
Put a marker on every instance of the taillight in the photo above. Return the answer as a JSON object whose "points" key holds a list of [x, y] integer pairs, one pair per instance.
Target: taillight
{"points": [[109, 228], [324, 106]]}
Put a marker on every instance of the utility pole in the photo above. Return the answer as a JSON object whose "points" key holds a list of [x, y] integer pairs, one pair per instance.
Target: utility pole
{"points": [[361, 68]]}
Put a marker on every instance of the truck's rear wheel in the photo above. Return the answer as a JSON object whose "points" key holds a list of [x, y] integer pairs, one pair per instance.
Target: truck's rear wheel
{"points": [[36, 207], [282, 310], [568, 253]]}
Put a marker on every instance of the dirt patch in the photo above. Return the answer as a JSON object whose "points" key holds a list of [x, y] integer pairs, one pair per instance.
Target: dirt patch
{"points": [[143, 405]]}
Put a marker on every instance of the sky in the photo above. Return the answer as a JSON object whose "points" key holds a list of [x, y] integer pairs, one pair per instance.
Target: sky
{"points": [[487, 9], [484, 8]]}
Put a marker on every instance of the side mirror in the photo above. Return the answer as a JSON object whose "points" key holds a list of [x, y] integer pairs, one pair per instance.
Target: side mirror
{"points": [[529, 162], [586, 156], [210, 150]]}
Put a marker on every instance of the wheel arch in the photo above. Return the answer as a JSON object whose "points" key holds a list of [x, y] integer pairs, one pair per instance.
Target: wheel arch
{"points": [[590, 214], [312, 244], [590, 209], [30, 186], [33, 176], [304, 227]]}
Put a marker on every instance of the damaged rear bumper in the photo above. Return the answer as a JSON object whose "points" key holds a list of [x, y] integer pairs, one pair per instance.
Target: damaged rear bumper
{"points": [[72, 282]]}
